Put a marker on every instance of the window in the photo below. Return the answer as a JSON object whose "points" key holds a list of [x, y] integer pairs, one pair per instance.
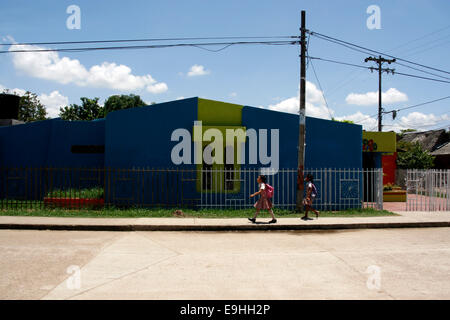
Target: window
{"points": [[87, 149]]}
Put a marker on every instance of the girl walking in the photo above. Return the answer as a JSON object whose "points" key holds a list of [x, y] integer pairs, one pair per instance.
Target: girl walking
{"points": [[263, 203], [311, 193]]}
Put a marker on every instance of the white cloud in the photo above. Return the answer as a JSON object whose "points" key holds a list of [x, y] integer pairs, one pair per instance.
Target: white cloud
{"points": [[414, 120], [197, 70], [315, 104], [233, 94], [418, 120], [365, 120], [53, 102], [50, 66], [371, 98]]}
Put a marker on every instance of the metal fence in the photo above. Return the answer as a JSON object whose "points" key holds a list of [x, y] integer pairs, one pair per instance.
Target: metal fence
{"points": [[427, 190], [338, 189], [71, 188]]}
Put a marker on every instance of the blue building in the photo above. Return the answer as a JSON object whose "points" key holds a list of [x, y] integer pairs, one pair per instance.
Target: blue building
{"points": [[133, 148]]}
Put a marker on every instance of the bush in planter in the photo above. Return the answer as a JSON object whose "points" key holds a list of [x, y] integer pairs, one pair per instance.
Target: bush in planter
{"points": [[92, 193], [391, 187], [75, 198]]}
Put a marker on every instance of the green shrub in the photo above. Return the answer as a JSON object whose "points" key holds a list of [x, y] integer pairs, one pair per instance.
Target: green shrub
{"points": [[92, 193]]}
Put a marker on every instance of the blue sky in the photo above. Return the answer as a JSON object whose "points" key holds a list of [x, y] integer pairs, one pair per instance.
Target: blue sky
{"points": [[262, 76]]}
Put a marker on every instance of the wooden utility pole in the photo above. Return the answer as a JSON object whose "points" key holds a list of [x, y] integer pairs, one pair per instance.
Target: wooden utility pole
{"points": [[302, 115], [380, 61]]}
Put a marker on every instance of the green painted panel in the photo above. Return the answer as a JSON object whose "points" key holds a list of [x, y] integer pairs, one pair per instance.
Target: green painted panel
{"points": [[212, 113], [217, 178]]}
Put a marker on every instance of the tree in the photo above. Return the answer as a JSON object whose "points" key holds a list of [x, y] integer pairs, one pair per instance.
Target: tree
{"points": [[116, 102], [344, 121], [414, 157], [405, 131], [30, 108], [88, 110]]}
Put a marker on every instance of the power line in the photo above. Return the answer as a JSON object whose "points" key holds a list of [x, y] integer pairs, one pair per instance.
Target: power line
{"points": [[365, 50], [356, 74], [435, 45], [321, 90], [420, 38], [419, 77], [145, 40], [156, 46], [401, 109], [340, 62], [341, 44], [417, 69], [419, 105], [372, 68]]}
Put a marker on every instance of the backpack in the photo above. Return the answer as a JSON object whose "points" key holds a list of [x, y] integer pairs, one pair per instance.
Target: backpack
{"points": [[269, 191]]}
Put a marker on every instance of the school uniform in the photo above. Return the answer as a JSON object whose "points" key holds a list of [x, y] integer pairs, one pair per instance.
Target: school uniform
{"points": [[263, 202]]}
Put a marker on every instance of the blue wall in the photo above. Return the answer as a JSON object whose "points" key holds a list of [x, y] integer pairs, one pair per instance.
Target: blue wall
{"points": [[140, 137], [48, 144], [25, 145], [329, 144], [333, 144], [65, 134]]}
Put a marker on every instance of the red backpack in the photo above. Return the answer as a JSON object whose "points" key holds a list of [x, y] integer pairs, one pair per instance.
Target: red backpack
{"points": [[269, 191]]}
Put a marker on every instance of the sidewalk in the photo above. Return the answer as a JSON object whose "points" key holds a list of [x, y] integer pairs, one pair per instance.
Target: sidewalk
{"points": [[403, 220]]}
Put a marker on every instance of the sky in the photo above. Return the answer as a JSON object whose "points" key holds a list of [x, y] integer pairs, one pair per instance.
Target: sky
{"points": [[260, 76]]}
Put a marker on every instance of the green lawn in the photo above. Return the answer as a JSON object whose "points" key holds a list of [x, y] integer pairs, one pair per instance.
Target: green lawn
{"points": [[167, 213]]}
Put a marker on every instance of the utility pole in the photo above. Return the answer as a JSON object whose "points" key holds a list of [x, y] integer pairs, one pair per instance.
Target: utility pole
{"points": [[380, 60], [302, 115]]}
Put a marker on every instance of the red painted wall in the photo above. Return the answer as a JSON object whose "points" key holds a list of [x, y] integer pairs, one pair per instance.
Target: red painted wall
{"points": [[388, 163]]}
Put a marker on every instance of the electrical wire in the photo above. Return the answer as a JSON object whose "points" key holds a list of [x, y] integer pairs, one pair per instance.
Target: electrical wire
{"points": [[321, 90], [420, 38], [340, 62], [373, 68], [419, 77], [418, 105], [144, 40], [401, 109], [156, 46], [435, 45], [367, 50], [417, 69]]}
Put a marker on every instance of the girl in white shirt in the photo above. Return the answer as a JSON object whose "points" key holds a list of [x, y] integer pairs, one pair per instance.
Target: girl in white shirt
{"points": [[263, 202]]}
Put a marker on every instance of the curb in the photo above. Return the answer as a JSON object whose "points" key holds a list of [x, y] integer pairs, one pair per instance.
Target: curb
{"points": [[299, 227]]}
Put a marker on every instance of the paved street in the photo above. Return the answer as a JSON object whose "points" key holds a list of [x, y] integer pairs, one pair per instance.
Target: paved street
{"points": [[411, 263], [401, 219]]}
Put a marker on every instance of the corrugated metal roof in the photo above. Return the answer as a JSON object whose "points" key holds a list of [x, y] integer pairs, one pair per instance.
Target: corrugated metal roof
{"points": [[441, 150]]}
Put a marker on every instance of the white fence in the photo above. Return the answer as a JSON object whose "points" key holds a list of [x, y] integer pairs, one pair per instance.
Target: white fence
{"points": [[428, 190], [338, 189]]}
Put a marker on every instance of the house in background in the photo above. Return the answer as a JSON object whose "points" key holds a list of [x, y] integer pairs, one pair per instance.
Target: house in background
{"points": [[9, 114], [442, 156], [434, 141]]}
